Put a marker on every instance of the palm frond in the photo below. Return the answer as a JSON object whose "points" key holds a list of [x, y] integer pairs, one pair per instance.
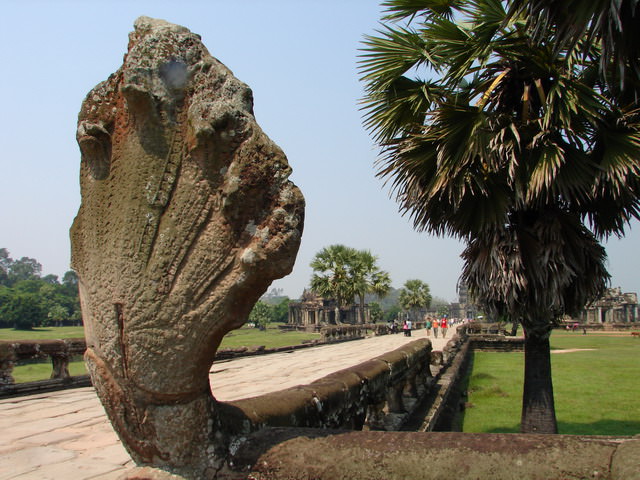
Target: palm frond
{"points": [[546, 264], [403, 9], [400, 108], [390, 55]]}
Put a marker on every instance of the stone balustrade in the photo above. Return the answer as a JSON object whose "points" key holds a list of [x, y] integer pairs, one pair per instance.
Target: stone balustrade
{"points": [[337, 333], [322, 454], [478, 328], [59, 351], [342, 332], [378, 394]]}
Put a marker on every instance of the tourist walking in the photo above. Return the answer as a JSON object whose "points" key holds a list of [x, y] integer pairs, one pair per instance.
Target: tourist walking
{"points": [[409, 325], [443, 326], [404, 328], [427, 325], [435, 327]]}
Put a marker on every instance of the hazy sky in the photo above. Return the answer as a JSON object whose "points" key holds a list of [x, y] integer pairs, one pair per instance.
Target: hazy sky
{"points": [[299, 58]]}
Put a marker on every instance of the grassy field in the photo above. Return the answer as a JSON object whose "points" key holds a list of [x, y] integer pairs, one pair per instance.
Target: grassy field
{"points": [[270, 338], [41, 371], [43, 333], [595, 388], [244, 337]]}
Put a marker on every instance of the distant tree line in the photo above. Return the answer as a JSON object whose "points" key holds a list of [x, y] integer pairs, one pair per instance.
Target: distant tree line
{"points": [[28, 299], [273, 307]]}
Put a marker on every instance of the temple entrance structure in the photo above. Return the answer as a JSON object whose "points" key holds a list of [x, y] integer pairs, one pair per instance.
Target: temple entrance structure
{"points": [[313, 311], [464, 307], [613, 307]]}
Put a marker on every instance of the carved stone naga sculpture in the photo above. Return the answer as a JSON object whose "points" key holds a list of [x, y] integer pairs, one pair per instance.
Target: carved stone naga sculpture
{"points": [[187, 216]]}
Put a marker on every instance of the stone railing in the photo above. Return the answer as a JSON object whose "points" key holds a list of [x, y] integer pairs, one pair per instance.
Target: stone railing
{"points": [[497, 343], [342, 332], [607, 327], [477, 328], [286, 453], [59, 351], [289, 449], [335, 333], [379, 394]]}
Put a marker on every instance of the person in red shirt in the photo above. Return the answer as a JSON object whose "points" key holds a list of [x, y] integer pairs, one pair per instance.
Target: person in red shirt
{"points": [[443, 326]]}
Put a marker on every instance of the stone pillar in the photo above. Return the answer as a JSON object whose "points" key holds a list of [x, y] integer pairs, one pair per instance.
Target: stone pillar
{"points": [[375, 416], [394, 398], [7, 357], [187, 216], [60, 365]]}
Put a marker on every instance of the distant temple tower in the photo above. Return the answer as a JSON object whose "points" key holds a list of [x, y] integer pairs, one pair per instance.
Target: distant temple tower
{"points": [[613, 307], [464, 308]]}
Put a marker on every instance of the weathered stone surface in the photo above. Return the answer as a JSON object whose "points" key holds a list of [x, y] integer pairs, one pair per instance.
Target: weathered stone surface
{"points": [[290, 454], [187, 216], [625, 464]]}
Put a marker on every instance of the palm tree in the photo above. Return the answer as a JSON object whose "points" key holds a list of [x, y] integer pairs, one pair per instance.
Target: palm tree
{"points": [[414, 296], [544, 263], [380, 284], [513, 148], [613, 25], [368, 278], [332, 277], [342, 273]]}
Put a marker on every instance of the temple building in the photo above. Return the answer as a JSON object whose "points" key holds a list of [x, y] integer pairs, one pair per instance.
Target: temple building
{"points": [[464, 308], [613, 307], [314, 311]]}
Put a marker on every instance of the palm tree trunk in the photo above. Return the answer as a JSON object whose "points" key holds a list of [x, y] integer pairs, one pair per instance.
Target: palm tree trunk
{"points": [[362, 319], [538, 408]]}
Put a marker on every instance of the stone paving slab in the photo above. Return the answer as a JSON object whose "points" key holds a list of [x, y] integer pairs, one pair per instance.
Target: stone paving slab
{"points": [[66, 434]]}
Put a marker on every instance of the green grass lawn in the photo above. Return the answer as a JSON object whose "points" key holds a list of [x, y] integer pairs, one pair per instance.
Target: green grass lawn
{"points": [[272, 337], [42, 371], [243, 337], [42, 333], [596, 391]]}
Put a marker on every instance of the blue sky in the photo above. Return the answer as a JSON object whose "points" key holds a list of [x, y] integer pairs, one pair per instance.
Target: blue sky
{"points": [[299, 58]]}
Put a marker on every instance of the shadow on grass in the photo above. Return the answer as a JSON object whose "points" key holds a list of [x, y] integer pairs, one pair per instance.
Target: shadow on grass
{"points": [[601, 427]]}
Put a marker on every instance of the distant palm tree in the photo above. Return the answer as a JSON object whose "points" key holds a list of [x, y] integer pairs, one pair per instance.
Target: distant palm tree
{"points": [[368, 278], [513, 148], [380, 284], [414, 296], [332, 275], [343, 273]]}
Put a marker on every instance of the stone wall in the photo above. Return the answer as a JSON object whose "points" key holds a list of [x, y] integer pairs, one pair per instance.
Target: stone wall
{"points": [[59, 352], [496, 343], [293, 454], [379, 394]]}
